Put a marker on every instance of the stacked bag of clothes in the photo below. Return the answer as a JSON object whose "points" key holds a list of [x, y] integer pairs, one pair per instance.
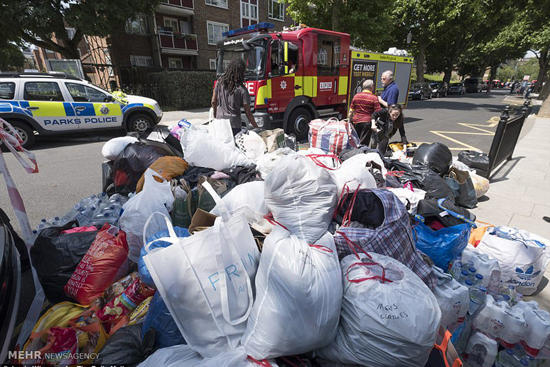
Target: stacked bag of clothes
{"points": [[243, 251]]}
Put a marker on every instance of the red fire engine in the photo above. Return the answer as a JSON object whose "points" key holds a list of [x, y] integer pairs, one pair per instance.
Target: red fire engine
{"points": [[298, 75]]}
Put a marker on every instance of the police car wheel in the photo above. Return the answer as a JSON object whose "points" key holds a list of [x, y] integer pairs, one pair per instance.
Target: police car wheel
{"points": [[25, 132], [139, 123], [298, 123]]}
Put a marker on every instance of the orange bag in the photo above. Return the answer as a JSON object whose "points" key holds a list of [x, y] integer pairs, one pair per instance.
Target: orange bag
{"points": [[168, 167], [478, 233], [99, 266]]}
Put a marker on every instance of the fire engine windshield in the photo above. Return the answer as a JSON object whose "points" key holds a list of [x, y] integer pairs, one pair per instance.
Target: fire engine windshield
{"points": [[254, 59]]}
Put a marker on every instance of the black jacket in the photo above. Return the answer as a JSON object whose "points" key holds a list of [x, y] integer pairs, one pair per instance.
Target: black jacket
{"points": [[384, 118]]}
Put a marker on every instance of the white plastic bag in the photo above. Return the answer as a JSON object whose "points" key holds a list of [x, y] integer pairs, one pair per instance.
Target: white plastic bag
{"points": [[248, 198], [453, 298], [234, 358], [155, 197], [481, 184], [266, 163], [389, 316], [301, 196], [175, 356], [298, 296], [523, 257], [253, 145], [409, 198], [206, 281], [354, 174], [115, 146], [221, 130], [203, 150]]}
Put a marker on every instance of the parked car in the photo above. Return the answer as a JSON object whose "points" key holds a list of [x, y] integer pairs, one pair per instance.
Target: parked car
{"points": [[54, 104], [10, 286], [473, 85], [439, 89], [457, 88], [420, 91]]}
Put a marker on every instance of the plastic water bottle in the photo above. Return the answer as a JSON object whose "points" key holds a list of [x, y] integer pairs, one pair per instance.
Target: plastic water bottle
{"points": [[85, 216], [494, 283], [525, 362], [463, 277], [43, 224], [507, 358], [456, 268], [478, 296], [104, 217]]}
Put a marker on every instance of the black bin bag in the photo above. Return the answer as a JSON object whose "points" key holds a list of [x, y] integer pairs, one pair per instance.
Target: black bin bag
{"points": [[423, 178], [55, 257], [126, 347], [475, 160], [436, 156]]}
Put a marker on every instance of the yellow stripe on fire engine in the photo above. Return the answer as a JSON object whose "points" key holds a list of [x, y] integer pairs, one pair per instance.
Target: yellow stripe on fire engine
{"points": [[362, 55], [48, 109], [112, 109], [310, 86], [342, 85], [264, 92]]}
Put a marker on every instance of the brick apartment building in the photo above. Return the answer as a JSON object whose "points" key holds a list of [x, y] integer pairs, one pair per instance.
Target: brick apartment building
{"points": [[181, 34]]}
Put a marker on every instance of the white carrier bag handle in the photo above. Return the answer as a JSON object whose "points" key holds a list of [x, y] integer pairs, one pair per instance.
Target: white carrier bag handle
{"points": [[232, 247]]}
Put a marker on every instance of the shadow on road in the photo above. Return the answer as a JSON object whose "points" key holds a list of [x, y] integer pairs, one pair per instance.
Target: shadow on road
{"points": [[43, 143]]}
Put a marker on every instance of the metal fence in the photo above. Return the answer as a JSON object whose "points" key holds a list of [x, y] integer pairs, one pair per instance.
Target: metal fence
{"points": [[506, 137]]}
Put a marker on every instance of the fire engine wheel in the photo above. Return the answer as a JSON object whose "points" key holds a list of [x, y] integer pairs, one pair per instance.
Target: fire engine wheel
{"points": [[298, 123]]}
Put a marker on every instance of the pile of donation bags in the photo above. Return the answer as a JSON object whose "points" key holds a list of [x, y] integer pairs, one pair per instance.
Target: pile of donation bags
{"points": [[225, 251]]}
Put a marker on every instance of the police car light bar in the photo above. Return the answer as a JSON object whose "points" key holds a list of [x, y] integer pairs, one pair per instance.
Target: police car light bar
{"points": [[249, 29]]}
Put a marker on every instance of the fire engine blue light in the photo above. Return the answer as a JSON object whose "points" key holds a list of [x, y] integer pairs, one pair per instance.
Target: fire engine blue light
{"points": [[249, 29]]}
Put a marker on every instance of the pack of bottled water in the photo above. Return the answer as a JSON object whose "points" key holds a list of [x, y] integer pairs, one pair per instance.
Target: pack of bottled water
{"points": [[92, 210]]}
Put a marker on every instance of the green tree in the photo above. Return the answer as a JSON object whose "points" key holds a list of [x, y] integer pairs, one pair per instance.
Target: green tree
{"points": [[369, 24], [44, 23], [11, 57]]}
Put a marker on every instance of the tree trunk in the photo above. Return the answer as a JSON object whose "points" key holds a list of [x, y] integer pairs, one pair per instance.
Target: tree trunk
{"points": [[336, 4], [544, 92], [448, 74], [493, 73], [70, 52], [420, 62], [543, 68]]}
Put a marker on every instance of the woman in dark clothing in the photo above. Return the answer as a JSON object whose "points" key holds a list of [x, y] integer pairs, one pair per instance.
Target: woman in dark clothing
{"points": [[230, 95], [384, 124]]}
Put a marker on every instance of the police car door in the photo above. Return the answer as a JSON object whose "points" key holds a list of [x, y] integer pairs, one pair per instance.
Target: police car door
{"points": [[92, 107], [45, 101]]}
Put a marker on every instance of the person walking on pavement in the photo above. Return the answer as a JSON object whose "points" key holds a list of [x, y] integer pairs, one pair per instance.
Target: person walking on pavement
{"points": [[230, 95], [390, 95], [362, 107], [384, 124]]}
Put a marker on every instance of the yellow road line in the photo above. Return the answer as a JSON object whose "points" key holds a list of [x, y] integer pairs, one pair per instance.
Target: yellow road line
{"points": [[493, 121], [453, 140]]}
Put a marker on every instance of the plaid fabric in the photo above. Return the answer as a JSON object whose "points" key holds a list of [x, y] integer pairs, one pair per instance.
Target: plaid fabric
{"points": [[393, 238], [332, 135]]}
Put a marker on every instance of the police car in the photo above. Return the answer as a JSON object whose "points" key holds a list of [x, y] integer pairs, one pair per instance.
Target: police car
{"points": [[53, 104]]}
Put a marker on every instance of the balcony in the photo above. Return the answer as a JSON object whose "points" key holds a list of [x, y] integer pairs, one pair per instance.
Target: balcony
{"points": [[173, 44], [176, 7]]}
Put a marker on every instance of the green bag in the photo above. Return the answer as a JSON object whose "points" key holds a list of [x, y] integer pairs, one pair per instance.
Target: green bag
{"points": [[183, 209]]}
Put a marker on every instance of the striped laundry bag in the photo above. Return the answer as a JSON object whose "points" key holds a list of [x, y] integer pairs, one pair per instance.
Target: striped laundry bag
{"points": [[332, 135], [392, 238]]}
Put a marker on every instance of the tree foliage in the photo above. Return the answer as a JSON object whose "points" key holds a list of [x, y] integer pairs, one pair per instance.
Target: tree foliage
{"points": [[369, 24], [11, 57], [44, 23]]}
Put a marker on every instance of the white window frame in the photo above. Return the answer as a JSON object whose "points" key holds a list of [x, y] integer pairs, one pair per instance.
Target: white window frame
{"points": [[249, 6], [135, 60], [129, 28], [210, 3], [208, 23], [175, 20], [270, 4], [188, 26], [177, 60], [213, 63]]}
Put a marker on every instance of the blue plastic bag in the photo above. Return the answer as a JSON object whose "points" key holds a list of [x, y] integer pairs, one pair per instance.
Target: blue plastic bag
{"points": [[444, 245], [159, 318], [144, 274]]}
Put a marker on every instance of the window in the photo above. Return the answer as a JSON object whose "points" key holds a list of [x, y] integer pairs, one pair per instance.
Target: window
{"points": [[137, 26], [83, 93], [7, 90], [185, 27], [42, 91], [141, 60], [276, 10], [215, 31], [175, 63], [284, 62], [249, 13], [171, 23], [328, 55], [218, 3], [213, 64]]}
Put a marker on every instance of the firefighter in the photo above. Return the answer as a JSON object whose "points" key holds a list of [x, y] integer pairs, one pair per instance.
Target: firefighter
{"points": [[384, 124], [230, 95]]}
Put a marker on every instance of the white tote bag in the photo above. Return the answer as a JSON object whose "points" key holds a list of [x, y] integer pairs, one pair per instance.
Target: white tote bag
{"points": [[523, 257], [206, 281], [221, 130]]}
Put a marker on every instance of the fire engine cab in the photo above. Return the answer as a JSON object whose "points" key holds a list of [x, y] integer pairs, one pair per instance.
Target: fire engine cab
{"points": [[298, 75]]}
